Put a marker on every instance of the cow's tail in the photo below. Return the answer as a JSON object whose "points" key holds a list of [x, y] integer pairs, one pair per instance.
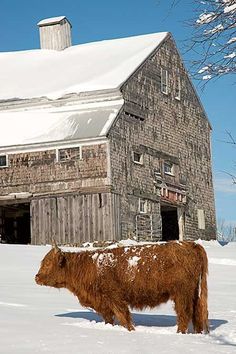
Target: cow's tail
{"points": [[200, 315]]}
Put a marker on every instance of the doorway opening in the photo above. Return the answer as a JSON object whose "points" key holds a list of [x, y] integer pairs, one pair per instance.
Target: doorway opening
{"points": [[15, 223], [170, 225]]}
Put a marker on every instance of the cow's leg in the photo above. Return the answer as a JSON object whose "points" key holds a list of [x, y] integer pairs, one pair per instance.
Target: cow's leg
{"points": [[105, 311], [184, 311], [197, 319], [108, 316], [123, 315]]}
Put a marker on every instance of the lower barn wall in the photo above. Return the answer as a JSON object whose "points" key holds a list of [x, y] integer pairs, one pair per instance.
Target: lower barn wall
{"points": [[40, 172], [75, 219]]}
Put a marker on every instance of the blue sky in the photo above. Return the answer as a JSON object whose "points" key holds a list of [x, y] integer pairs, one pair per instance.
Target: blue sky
{"points": [[97, 20]]}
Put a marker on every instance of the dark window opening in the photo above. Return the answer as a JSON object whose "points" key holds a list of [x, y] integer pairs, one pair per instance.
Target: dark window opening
{"points": [[134, 116], [170, 226], [168, 168], [15, 223], [100, 200], [3, 161], [138, 158]]}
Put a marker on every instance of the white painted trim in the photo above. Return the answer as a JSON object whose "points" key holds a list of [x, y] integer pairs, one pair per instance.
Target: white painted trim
{"points": [[17, 149], [145, 206]]}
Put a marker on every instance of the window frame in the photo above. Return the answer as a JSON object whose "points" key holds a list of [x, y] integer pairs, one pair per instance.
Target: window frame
{"points": [[178, 88], [171, 165], [140, 162], [143, 202], [7, 162], [58, 159], [164, 83]]}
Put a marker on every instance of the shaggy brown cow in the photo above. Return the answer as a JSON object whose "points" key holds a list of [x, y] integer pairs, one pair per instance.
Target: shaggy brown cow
{"points": [[110, 280]]}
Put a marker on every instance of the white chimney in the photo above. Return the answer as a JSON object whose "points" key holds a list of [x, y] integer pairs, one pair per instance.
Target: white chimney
{"points": [[55, 33]]}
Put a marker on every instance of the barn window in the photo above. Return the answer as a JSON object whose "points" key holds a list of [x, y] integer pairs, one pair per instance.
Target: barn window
{"points": [[3, 161], [201, 219], [164, 81], [168, 168], [138, 158], [143, 206], [177, 88], [69, 154]]}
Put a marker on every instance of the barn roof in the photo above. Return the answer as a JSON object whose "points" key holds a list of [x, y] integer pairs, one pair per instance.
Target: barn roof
{"points": [[57, 125], [82, 68]]}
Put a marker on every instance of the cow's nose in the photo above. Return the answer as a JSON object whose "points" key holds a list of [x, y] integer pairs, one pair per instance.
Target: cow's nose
{"points": [[36, 278]]}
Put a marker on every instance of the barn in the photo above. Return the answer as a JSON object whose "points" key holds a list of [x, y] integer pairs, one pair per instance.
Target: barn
{"points": [[102, 141]]}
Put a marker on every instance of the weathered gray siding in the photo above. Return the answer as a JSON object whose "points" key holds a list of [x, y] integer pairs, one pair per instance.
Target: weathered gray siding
{"points": [[69, 200], [55, 36], [40, 173], [162, 128], [75, 219]]}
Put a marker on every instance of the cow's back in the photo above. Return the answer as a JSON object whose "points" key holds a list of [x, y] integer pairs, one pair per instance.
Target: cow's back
{"points": [[152, 274]]}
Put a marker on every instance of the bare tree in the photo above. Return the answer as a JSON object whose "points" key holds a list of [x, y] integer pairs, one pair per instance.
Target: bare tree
{"points": [[213, 37], [231, 140], [226, 231]]}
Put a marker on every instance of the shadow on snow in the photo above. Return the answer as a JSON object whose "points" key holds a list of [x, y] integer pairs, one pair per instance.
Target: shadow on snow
{"points": [[148, 320]]}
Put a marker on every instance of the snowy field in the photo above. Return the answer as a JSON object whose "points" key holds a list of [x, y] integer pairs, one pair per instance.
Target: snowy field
{"points": [[38, 319]]}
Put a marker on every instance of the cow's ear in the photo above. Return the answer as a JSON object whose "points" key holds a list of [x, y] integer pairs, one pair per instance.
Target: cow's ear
{"points": [[56, 249], [62, 260], [54, 246]]}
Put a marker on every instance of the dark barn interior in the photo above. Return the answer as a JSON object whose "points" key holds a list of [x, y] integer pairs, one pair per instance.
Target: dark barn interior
{"points": [[15, 223], [170, 226]]}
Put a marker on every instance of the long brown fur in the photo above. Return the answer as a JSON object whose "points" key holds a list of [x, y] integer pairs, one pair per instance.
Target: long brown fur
{"points": [[110, 280]]}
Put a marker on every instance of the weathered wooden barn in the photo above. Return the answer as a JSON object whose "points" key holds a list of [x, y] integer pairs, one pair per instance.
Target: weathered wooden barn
{"points": [[102, 141]]}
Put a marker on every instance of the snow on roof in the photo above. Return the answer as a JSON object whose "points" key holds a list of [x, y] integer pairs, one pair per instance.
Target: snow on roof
{"points": [[51, 20], [81, 68], [57, 124]]}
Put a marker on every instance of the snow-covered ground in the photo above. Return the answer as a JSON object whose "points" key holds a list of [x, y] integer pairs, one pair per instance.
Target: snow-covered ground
{"points": [[36, 319]]}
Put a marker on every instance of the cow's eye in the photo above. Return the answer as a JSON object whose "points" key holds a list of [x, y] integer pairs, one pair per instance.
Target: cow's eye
{"points": [[46, 263]]}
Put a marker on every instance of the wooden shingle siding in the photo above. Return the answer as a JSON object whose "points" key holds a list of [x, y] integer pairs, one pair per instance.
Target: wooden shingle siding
{"points": [[40, 172], [55, 36], [172, 131]]}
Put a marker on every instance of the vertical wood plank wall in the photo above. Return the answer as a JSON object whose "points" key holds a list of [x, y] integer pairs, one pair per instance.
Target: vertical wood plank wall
{"points": [[75, 218]]}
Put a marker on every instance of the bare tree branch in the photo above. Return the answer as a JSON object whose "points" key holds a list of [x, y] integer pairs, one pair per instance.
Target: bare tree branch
{"points": [[213, 38]]}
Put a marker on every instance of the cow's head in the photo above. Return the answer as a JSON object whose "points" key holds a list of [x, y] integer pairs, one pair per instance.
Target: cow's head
{"points": [[52, 270]]}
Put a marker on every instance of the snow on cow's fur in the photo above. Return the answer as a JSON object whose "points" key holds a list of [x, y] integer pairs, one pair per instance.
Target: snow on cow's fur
{"points": [[111, 280]]}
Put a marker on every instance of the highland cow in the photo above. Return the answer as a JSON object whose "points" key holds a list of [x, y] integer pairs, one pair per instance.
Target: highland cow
{"points": [[112, 280]]}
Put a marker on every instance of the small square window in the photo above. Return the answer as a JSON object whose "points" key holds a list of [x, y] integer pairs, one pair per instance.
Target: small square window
{"points": [[164, 81], [138, 158], [142, 206], [168, 168], [3, 161]]}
